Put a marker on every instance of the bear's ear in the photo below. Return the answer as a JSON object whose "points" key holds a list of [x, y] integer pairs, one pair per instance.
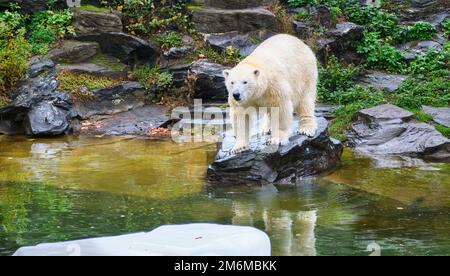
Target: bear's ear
{"points": [[257, 73], [226, 73]]}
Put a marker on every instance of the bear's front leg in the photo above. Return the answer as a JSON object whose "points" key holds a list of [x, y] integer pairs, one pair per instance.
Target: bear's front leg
{"points": [[281, 134], [242, 130], [265, 122]]}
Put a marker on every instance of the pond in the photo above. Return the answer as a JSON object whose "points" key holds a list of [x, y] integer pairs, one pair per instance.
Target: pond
{"points": [[73, 187]]}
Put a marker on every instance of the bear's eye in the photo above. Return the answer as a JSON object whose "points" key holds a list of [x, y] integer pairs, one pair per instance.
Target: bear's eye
{"points": [[232, 82], [245, 82]]}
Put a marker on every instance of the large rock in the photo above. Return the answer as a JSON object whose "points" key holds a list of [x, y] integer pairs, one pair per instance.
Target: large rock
{"points": [[129, 49], [383, 81], [72, 51], [38, 108], [210, 83], [339, 40], [411, 49], [417, 9], [237, 4], [324, 16], [137, 121], [212, 20], [111, 100], [86, 21], [390, 130], [441, 115], [302, 157], [242, 42], [93, 69], [303, 30], [26, 6]]}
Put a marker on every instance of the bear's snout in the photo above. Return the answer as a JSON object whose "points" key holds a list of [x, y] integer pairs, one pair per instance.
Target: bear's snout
{"points": [[237, 96]]}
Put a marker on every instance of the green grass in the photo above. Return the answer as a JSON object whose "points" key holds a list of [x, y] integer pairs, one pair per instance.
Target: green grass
{"points": [[444, 130]]}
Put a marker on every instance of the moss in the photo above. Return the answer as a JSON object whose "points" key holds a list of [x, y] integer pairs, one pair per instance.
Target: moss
{"points": [[4, 101], [93, 8], [101, 60], [73, 83], [194, 6]]}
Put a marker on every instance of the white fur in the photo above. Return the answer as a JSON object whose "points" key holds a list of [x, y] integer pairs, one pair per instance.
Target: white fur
{"points": [[281, 72]]}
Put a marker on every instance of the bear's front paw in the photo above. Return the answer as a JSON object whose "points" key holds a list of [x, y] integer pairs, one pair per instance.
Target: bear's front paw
{"points": [[277, 141], [308, 131], [239, 149]]}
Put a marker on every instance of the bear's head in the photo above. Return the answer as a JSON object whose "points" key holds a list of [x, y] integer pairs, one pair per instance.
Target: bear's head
{"points": [[244, 83]]}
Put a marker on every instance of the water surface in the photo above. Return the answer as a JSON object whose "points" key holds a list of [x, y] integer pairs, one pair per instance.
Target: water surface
{"points": [[71, 188]]}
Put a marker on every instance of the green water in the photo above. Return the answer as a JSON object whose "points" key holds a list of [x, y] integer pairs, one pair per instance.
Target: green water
{"points": [[72, 188]]}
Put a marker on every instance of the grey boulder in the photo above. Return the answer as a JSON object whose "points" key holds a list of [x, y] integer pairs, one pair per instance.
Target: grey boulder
{"points": [[391, 130], [72, 51], [242, 42], [38, 108], [383, 81], [441, 115], [111, 100], [302, 157], [209, 80], [86, 21], [130, 49]]}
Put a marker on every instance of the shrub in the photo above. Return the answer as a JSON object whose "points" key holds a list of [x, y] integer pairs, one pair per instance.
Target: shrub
{"points": [[430, 62], [302, 3], [14, 55], [48, 26], [150, 76], [228, 57], [169, 40], [380, 55], [333, 79], [433, 90], [446, 28], [142, 17], [419, 31]]}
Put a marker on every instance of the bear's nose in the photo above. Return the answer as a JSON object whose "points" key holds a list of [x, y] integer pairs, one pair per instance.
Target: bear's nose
{"points": [[237, 96]]}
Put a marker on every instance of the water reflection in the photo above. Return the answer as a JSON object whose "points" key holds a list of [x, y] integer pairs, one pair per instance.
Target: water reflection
{"points": [[71, 188]]}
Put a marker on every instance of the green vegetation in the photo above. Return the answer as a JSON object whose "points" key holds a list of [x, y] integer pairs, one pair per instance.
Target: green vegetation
{"points": [[75, 83], [110, 63], [228, 57], [429, 83], [48, 26], [153, 76], [14, 52], [144, 17], [93, 8], [379, 55], [22, 36], [446, 28], [169, 40]]}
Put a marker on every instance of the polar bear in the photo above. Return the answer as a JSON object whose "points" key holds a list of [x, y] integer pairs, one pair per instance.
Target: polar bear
{"points": [[282, 72]]}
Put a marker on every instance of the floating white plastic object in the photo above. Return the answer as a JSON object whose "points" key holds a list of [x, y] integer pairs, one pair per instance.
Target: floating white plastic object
{"points": [[170, 240]]}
